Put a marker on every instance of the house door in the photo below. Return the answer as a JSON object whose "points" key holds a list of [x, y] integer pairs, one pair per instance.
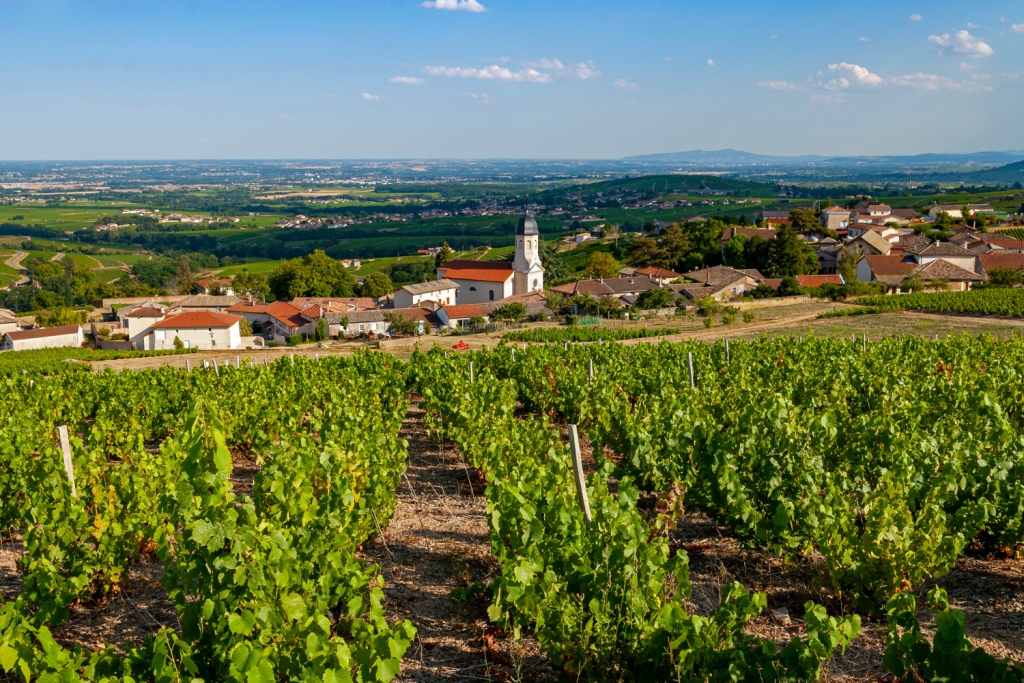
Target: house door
{"points": [[188, 344]]}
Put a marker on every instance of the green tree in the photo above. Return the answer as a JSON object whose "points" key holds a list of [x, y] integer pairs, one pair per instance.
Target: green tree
{"points": [[377, 284], [178, 344], [314, 275], [443, 256], [734, 252], [320, 333], [787, 255], [655, 298], [677, 245], [343, 327], [790, 287], [555, 269], [186, 281], [250, 284], [399, 324], [1006, 277], [645, 252], [846, 264], [244, 328], [805, 219], [601, 264], [514, 311]]}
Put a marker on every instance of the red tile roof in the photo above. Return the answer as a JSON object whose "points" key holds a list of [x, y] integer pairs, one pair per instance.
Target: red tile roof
{"points": [[205, 282], [251, 307], [42, 332], [198, 319], [819, 280], [466, 311], [478, 271], [990, 261], [286, 313], [889, 265], [659, 273], [145, 312]]}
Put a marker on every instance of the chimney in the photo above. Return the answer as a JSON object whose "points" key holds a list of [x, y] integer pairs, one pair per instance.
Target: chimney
{"points": [[708, 282]]}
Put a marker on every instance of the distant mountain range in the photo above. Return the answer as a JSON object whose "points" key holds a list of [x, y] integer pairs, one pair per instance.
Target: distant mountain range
{"points": [[735, 158]]}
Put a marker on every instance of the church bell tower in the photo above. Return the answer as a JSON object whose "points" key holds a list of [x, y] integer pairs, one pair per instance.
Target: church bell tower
{"points": [[529, 273]]}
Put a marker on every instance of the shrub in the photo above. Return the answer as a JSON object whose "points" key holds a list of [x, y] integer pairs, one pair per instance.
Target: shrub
{"points": [[272, 344], [244, 328], [748, 316], [728, 319], [709, 322], [118, 337], [477, 320], [103, 332], [178, 344], [295, 339]]}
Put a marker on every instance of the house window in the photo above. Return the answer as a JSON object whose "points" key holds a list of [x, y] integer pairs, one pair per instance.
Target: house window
{"points": [[160, 334], [492, 295], [361, 328], [188, 344], [472, 289], [534, 284]]}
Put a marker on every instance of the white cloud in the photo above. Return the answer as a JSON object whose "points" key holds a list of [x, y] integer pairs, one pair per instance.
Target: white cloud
{"points": [[863, 39], [967, 67], [406, 80], [711, 62], [829, 99], [963, 43], [582, 71], [626, 84], [859, 74], [981, 77], [485, 98], [467, 5], [922, 81], [774, 36], [370, 98], [490, 73], [970, 25], [1017, 28], [916, 17], [779, 85]]}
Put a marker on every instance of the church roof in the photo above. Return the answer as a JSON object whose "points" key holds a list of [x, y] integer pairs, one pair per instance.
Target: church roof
{"points": [[479, 271], [527, 225]]}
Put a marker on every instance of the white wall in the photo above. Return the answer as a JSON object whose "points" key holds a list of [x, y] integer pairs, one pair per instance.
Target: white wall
{"points": [[196, 338], [63, 340], [863, 271], [965, 262], [138, 328], [482, 294], [405, 299]]}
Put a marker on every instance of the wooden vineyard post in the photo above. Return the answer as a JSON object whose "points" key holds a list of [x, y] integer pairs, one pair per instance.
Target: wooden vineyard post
{"points": [[238, 363], [853, 339], [689, 366], [565, 344], [577, 471], [864, 342], [470, 372], [293, 358], [726, 350], [513, 354], [318, 358], [65, 447], [188, 368], [590, 372], [206, 364], [216, 370], [265, 364]]}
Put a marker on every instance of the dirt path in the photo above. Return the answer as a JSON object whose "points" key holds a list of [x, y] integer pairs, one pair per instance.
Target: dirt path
{"points": [[15, 262], [438, 541], [57, 257]]}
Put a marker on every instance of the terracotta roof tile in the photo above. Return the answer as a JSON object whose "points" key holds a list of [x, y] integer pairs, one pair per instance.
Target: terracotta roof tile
{"points": [[43, 332], [197, 319], [819, 280]]}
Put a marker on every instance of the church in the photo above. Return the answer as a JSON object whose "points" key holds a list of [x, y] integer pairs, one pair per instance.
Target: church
{"points": [[480, 282]]}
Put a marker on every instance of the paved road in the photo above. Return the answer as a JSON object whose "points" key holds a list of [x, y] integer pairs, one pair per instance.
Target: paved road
{"points": [[15, 262]]}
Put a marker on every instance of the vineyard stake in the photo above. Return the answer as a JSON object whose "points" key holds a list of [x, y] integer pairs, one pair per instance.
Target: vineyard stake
{"points": [[864, 342], [265, 362], [513, 354], [65, 446], [293, 359], [238, 364], [565, 345], [318, 358], [726, 350], [188, 368], [216, 370], [590, 372], [470, 372], [853, 339], [689, 366], [577, 470], [206, 364]]}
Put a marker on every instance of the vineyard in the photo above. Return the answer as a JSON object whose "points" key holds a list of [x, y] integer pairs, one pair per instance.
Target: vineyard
{"points": [[62, 361], [888, 465], [989, 301], [587, 334]]}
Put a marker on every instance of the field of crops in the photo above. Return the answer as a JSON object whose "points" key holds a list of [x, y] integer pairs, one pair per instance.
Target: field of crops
{"points": [[886, 464], [1009, 301], [267, 588], [587, 334]]}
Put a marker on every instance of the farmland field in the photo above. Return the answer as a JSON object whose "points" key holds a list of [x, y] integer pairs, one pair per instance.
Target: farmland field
{"points": [[997, 301], [856, 481]]}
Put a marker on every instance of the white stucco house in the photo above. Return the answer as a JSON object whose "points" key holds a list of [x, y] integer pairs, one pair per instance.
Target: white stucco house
{"points": [[197, 330], [441, 291], [44, 338]]}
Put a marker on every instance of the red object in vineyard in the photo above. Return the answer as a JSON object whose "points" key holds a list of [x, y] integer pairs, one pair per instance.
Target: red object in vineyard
{"points": [[461, 346]]}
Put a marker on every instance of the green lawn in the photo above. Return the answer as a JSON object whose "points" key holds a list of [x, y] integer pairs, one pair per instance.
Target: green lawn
{"points": [[254, 267]]}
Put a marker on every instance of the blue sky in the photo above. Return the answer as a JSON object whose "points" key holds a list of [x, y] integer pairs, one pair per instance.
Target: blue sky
{"points": [[183, 79]]}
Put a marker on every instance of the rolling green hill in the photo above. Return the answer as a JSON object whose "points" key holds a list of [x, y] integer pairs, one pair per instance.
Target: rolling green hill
{"points": [[670, 184], [1009, 174]]}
